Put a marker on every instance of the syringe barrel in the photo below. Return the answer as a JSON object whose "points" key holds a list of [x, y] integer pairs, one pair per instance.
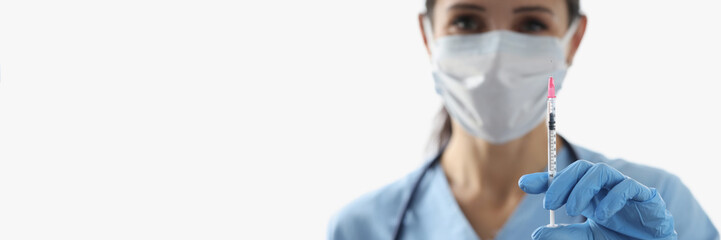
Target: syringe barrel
{"points": [[551, 124]]}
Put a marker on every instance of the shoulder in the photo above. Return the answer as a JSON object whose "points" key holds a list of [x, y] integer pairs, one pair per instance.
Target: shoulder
{"points": [[691, 222], [374, 214]]}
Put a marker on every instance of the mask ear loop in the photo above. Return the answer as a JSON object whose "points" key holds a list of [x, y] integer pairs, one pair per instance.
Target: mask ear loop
{"points": [[571, 31], [428, 32], [566, 40]]}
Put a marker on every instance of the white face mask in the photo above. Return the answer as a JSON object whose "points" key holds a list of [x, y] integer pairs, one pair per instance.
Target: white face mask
{"points": [[494, 84]]}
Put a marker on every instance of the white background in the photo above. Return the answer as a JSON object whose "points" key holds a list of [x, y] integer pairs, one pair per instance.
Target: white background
{"points": [[260, 119]]}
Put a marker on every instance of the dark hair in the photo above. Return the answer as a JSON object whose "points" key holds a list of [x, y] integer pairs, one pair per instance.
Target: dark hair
{"points": [[443, 134], [574, 9]]}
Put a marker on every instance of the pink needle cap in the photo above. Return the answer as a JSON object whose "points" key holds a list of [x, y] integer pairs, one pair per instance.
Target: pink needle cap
{"points": [[551, 88]]}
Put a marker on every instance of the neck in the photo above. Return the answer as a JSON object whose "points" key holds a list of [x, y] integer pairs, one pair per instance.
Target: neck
{"points": [[474, 165]]}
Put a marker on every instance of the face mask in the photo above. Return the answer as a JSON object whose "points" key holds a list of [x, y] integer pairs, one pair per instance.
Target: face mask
{"points": [[494, 84]]}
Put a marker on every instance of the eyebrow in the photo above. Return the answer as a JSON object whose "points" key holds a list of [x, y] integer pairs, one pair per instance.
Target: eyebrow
{"points": [[467, 6], [533, 9]]}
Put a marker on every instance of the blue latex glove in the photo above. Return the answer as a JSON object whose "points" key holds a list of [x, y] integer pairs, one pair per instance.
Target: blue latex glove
{"points": [[616, 206]]}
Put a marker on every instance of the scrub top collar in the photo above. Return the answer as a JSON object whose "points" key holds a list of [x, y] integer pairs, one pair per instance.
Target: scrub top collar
{"points": [[435, 214]]}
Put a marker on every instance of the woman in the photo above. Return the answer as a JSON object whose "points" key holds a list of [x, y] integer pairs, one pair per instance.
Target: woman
{"points": [[491, 59]]}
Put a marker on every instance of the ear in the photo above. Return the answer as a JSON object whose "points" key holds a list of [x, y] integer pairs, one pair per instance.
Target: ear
{"points": [[576, 39], [423, 33]]}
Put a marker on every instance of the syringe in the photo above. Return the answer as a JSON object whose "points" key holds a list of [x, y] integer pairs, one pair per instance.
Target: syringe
{"points": [[551, 123]]}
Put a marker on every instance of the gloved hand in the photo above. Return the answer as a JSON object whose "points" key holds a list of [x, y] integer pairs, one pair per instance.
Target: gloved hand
{"points": [[616, 206]]}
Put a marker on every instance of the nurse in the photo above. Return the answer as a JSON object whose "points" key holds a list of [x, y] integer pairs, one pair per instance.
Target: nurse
{"points": [[491, 59]]}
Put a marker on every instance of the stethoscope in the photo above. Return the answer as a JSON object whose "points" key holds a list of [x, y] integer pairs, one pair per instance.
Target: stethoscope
{"points": [[406, 205]]}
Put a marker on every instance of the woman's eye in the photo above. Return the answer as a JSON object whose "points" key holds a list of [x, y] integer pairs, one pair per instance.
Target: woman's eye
{"points": [[533, 26], [465, 23]]}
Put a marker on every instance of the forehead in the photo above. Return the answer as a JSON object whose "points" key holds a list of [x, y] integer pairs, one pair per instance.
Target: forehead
{"points": [[506, 7]]}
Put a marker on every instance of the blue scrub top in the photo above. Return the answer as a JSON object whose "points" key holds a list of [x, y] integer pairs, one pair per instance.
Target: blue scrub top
{"points": [[435, 214]]}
